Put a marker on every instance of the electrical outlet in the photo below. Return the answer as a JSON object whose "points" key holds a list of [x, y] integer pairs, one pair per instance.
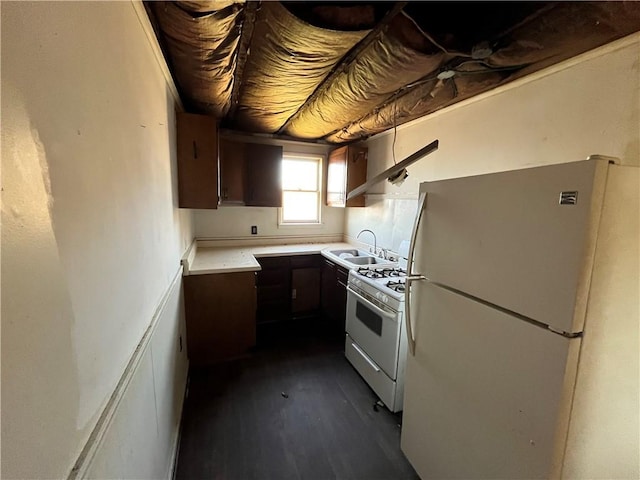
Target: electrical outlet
{"points": [[254, 229]]}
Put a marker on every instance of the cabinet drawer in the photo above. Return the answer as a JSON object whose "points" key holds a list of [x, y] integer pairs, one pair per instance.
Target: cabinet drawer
{"points": [[328, 263], [342, 275], [268, 263], [305, 261]]}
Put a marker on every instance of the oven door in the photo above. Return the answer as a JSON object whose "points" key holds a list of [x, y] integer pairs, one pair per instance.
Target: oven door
{"points": [[375, 330]]}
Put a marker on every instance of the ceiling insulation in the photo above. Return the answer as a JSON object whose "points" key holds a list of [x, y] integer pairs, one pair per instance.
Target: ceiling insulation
{"points": [[288, 63], [342, 71], [366, 82], [534, 45], [200, 39], [568, 29], [427, 97], [207, 6]]}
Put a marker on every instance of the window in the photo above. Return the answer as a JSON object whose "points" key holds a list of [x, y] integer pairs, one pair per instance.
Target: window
{"points": [[300, 189]]}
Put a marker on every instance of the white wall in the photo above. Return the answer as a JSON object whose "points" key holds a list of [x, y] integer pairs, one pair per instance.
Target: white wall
{"points": [[234, 222], [142, 434], [586, 105], [604, 433], [92, 236]]}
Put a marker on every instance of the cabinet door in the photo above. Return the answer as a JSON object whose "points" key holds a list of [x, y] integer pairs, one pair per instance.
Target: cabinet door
{"points": [[342, 275], [232, 169], [197, 161], [356, 173], [334, 294], [346, 170], [305, 284], [274, 289], [220, 316], [305, 290], [328, 287], [336, 178], [264, 175]]}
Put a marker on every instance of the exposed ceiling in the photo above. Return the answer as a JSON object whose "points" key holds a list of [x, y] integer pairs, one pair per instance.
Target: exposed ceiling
{"points": [[342, 71]]}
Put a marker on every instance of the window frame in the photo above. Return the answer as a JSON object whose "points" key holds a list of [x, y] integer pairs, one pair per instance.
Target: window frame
{"points": [[319, 159]]}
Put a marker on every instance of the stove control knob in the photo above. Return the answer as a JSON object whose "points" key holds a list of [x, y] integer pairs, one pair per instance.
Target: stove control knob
{"points": [[382, 297]]}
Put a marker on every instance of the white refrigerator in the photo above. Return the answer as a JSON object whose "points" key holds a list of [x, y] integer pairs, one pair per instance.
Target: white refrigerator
{"points": [[499, 274]]}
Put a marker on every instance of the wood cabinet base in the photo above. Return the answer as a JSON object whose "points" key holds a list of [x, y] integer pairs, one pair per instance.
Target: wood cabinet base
{"points": [[334, 293], [220, 314]]}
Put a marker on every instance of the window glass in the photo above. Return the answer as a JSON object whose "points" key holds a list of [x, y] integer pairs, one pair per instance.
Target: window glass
{"points": [[299, 175], [300, 207], [300, 190]]}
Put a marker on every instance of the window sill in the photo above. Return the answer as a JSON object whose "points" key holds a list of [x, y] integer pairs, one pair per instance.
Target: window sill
{"points": [[301, 224]]}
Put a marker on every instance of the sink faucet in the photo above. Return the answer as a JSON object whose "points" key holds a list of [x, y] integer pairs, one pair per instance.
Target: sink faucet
{"points": [[375, 241]]}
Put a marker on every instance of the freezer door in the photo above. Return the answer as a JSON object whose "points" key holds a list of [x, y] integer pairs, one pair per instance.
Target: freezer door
{"points": [[485, 394], [509, 239]]}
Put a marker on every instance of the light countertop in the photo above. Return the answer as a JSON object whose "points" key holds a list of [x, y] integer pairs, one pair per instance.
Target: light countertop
{"points": [[243, 259]]}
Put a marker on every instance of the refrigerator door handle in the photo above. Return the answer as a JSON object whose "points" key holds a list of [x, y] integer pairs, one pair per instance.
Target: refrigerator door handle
{"points": [[411, 277]]}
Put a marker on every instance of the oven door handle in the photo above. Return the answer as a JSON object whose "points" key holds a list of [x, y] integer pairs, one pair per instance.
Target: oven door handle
{"points": [[411, 277], [372, 305]]}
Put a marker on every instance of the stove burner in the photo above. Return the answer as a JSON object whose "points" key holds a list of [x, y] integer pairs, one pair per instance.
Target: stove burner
{"points": [[370, 272], [395, 272], [381, 272], [396, 286]]}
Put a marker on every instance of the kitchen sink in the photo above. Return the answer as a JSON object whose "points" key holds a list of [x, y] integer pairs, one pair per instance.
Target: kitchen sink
{"points": [[352, 252], [368, 260], [353, 256]]}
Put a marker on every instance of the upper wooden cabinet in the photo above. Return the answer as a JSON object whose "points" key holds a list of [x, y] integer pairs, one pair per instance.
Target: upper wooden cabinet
{"points": [[232, 169], [197, 139], [346, 170], [264, 175], [250, 174]]}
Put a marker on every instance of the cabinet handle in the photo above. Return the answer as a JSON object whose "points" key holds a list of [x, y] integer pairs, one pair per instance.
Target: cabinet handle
{"points": [[195, 150]]}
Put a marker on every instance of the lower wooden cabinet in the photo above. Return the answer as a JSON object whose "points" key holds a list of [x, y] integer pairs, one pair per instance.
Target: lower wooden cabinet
{"points": [[222, 309], [220, 312], [274, 289], [288, 287], [334, 293], [305, 284]]}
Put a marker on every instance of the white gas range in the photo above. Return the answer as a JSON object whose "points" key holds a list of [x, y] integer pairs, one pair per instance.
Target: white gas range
{"points": [[376, 343]]}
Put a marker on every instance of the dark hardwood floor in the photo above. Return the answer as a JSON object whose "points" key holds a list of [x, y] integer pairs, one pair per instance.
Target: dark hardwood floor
{"points": [[295, 409]]}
